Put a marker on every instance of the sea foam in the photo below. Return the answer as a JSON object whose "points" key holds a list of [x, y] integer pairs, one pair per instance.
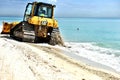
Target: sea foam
{"points": [[104, 56]]}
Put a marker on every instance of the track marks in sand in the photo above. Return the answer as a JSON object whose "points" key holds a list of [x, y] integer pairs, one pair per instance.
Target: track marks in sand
{"points": [[44, 66], [5, 73]]}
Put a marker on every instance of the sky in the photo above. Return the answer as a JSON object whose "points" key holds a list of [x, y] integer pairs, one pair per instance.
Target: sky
{"points": [[66, 8]]}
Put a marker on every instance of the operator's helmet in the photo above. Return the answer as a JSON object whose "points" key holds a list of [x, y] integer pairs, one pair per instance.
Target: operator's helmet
{"points": [[42, 15]]}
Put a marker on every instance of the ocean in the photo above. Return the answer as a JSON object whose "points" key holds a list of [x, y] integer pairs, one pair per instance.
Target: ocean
{"points": [[103, 32], [96, 39]]}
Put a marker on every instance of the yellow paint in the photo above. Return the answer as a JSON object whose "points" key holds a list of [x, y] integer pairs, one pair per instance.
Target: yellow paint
{"points": [[38, 21], [7, 27]]}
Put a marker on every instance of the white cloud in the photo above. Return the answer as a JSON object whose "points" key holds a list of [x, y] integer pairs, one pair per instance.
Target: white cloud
{"points": [[47, 1], [52, 1]]}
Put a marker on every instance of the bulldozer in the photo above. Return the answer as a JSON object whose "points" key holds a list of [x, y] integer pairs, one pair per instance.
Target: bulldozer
{"points": [[38, 25]]}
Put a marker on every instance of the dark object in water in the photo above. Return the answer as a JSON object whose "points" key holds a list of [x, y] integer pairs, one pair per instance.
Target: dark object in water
{"points": [[77, 28]]}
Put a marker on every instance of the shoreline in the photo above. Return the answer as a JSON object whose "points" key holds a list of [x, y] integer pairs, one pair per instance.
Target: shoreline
{"points": [[106, 71], [89, 62], [83, 59]]}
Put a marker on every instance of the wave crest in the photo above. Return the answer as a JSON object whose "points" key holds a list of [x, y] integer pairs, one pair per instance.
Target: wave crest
{"points": [[105, 56]]}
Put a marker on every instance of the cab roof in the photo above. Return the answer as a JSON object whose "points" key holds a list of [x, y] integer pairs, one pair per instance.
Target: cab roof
{"points": [[42, 3]]}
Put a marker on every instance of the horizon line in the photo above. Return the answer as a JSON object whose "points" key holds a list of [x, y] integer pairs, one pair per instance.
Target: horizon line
{"points": [[67, 17]]}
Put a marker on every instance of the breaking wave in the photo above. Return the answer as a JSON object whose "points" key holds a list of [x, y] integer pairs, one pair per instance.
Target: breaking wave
{"points": [[104, 56]]}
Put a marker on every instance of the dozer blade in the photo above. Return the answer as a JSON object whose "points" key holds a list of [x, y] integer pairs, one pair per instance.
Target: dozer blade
{"points": [[6, 28]]}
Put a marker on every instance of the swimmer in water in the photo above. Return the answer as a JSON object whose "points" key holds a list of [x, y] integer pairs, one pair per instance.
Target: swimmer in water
{"points": [[77, 28]]}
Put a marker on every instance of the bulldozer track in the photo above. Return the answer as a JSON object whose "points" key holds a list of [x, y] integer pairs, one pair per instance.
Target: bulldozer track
{"points": [[56, 38], [28, 33]]}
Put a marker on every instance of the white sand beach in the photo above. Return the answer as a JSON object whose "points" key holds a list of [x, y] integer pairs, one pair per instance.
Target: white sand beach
{"points": [[29, 61]]}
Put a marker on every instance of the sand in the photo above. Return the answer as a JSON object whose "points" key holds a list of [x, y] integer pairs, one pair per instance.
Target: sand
{"points": [[29, 61]]}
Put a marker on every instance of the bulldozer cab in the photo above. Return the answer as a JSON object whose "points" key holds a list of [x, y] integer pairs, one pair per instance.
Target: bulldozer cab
{"points": [[39, 9]]}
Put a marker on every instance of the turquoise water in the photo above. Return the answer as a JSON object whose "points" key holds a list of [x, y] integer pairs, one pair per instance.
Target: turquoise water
{"points": [[10, 19], [98, 31]]}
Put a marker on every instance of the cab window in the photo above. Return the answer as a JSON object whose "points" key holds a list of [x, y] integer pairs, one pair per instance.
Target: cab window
{"points": [[28, 12], [46, 11]]}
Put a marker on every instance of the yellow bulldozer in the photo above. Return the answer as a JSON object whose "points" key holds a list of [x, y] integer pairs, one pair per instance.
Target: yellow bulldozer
{"points": [[38, 25]]}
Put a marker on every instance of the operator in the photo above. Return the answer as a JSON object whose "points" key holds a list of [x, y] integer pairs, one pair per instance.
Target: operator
{"points": [[41, 13]]}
